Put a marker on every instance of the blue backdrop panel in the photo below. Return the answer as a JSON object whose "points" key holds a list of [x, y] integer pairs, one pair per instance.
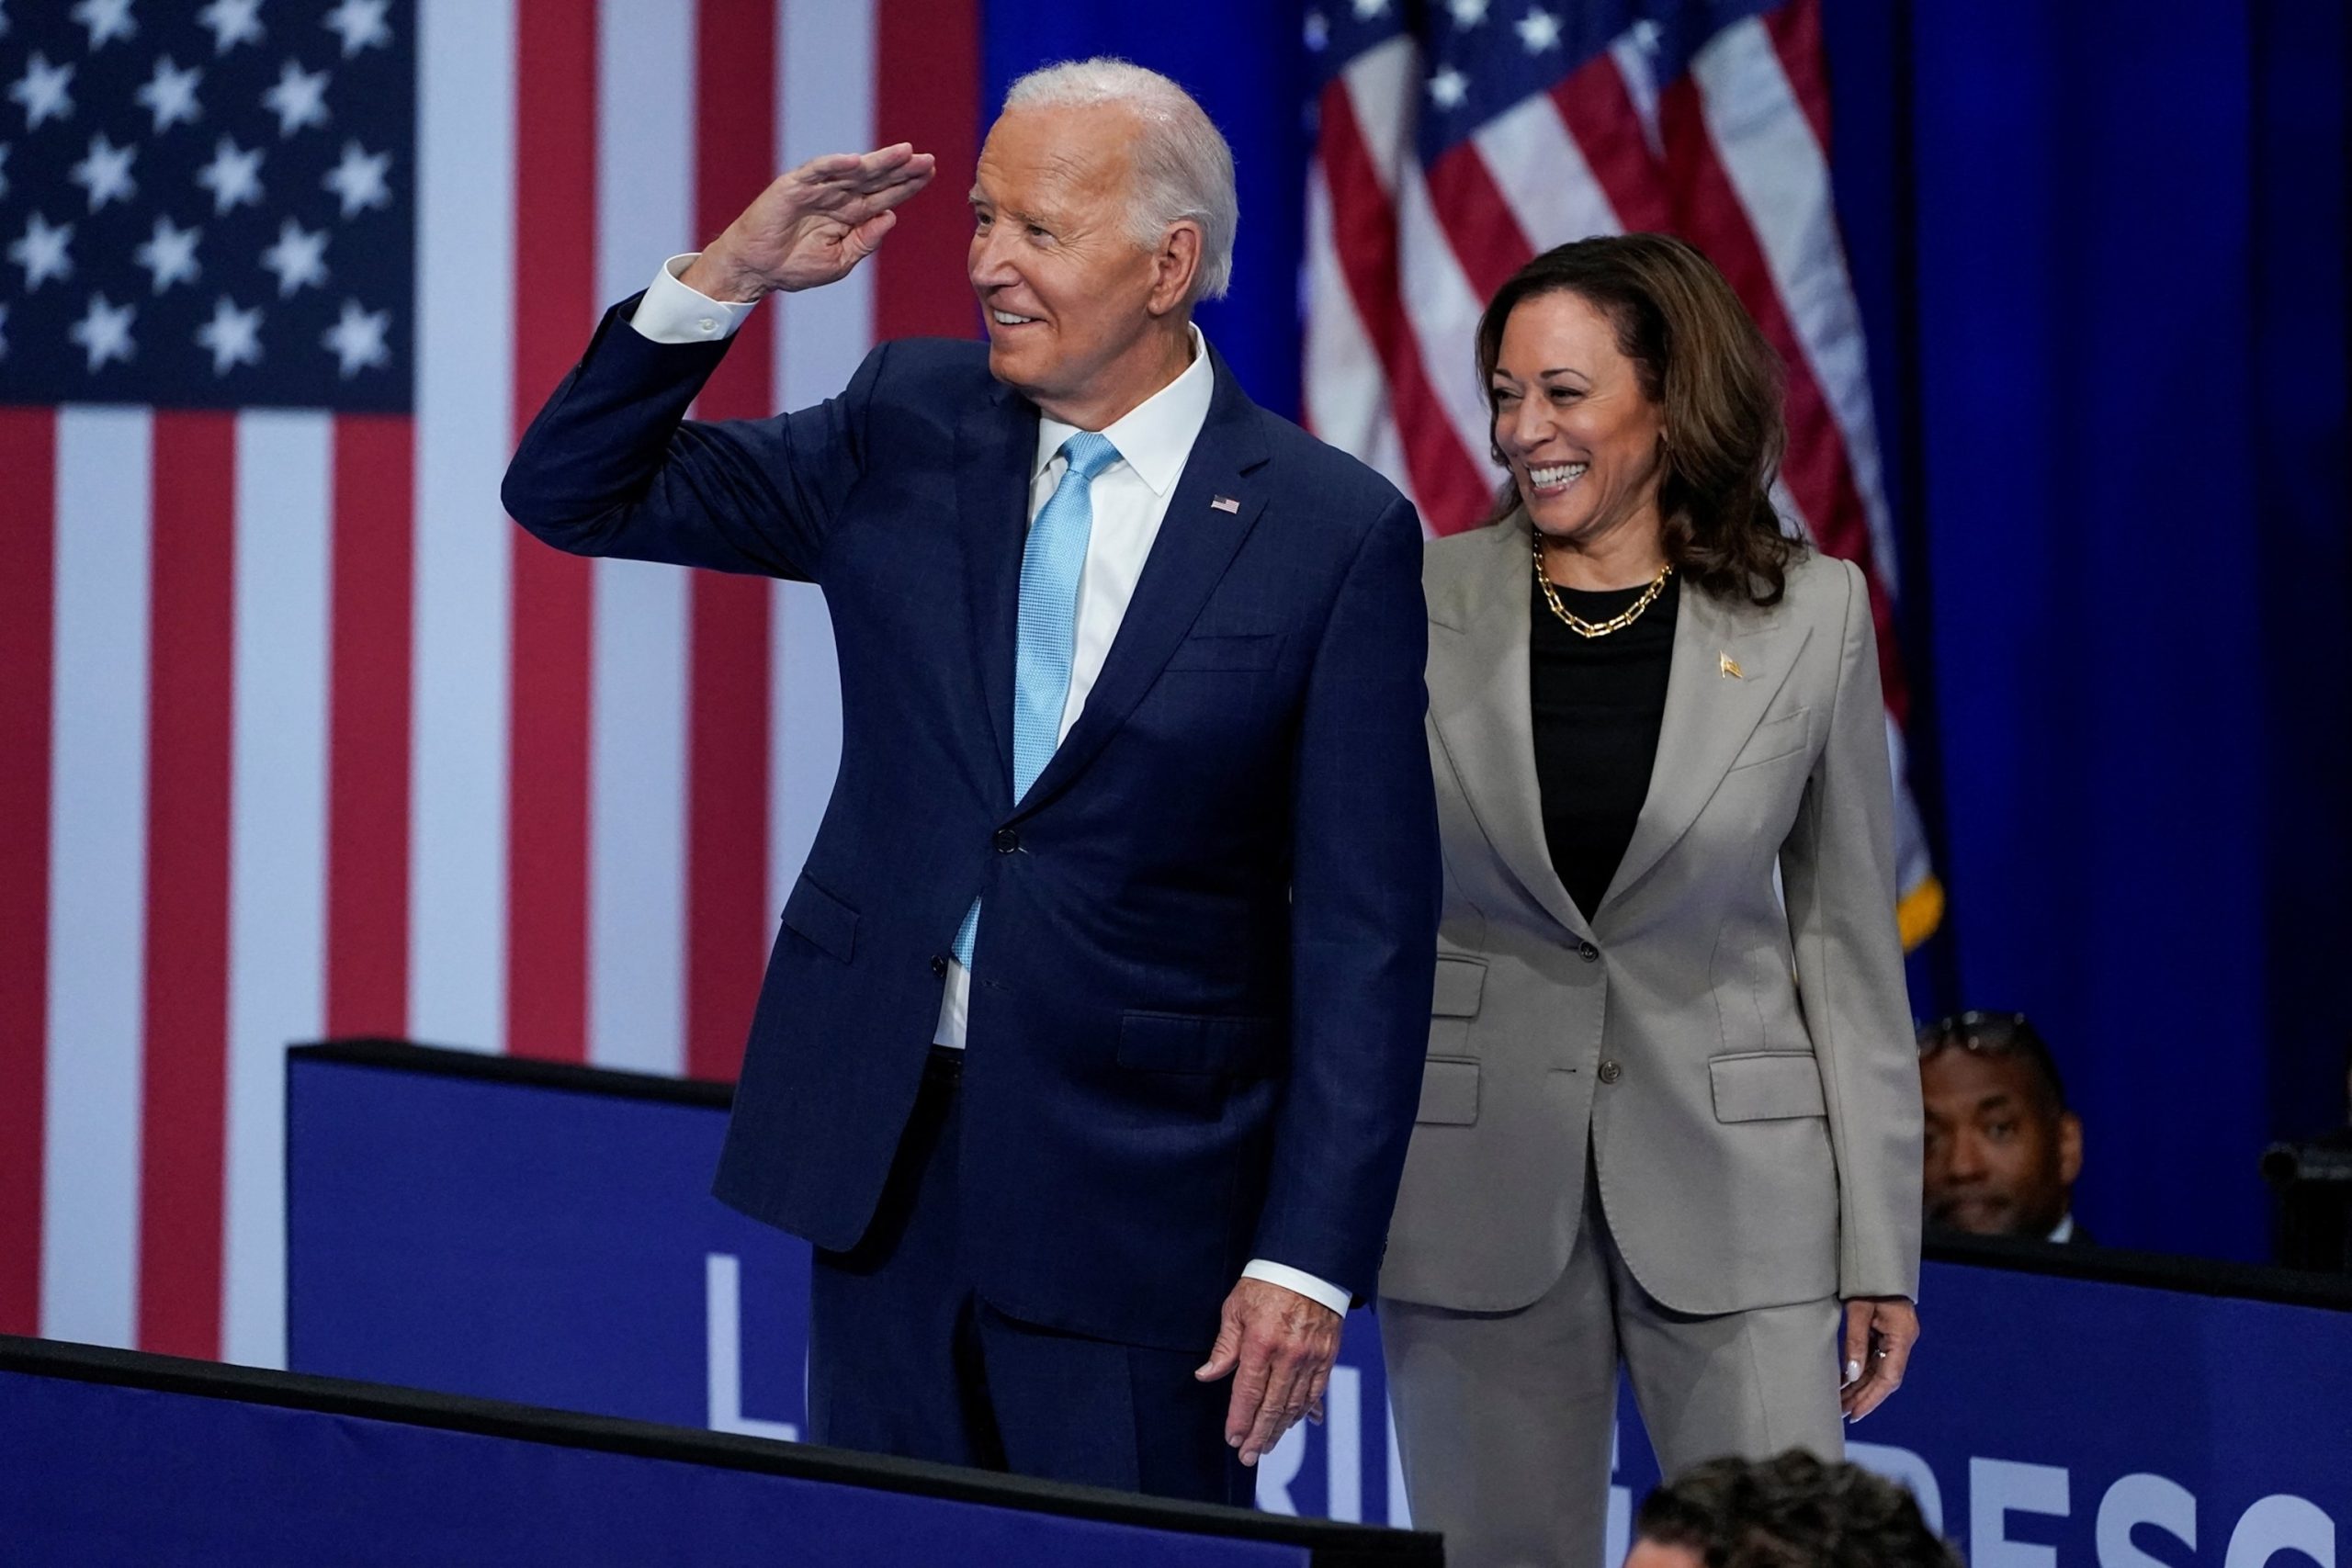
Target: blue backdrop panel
{"points": [[553, 1246], [95, 1473]]}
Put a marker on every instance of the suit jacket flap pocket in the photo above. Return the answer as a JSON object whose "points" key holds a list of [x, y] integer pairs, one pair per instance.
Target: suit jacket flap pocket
{"points": [[1767, 1085], [822, 918], [1197, 1043], [1775, 739], [1449, 1091], [1460, 983], [1248, 651]]}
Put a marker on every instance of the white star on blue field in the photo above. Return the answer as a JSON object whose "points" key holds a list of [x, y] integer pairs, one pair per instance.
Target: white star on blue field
{"points": [[207, 205]]}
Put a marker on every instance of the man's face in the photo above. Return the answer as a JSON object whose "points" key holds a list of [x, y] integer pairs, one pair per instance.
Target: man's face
{"points": [[1648, 1554], [1068, 293], [1999, 1160]]}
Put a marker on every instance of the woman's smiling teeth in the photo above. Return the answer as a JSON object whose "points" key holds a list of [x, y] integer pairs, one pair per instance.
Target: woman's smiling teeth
{"points": [[1555, 475], [1007, 319]]}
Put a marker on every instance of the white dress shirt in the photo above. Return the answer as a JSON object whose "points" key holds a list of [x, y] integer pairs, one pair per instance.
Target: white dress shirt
{"points": [[1130, 499]]}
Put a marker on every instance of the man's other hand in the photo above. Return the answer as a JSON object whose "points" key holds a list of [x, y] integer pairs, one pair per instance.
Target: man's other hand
{"points": [[1279, 1347], [810, 225]]}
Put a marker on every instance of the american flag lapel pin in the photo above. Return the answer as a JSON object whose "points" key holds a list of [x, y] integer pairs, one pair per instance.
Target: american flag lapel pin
{"points": [[1730, 666], [1226, 504]]}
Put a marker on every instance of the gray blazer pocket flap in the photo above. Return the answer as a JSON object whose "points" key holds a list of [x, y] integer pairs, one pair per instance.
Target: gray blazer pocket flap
{"points": [[1767, 1085], [822, 918], [1775, 739], [1449, 1091], [1460, 983], [1199, 1042], [1248, 651]]}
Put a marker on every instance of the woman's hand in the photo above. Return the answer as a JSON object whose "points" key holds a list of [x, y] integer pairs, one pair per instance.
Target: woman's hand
{"points": [[1879, 1332]]}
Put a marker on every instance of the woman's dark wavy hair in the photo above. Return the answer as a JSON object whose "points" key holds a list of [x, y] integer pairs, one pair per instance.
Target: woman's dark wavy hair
{"points": [[1793, 1511], [1701, 360]]}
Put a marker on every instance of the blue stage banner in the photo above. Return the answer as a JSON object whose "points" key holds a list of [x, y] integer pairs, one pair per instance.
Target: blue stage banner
{"points": [[477, 1226]]}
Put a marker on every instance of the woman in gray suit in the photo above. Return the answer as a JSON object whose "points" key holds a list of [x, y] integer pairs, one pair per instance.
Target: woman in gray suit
{"points": [[1670, 1117]]}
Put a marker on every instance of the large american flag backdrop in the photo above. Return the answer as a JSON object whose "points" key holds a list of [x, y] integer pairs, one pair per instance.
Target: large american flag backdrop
{"points": [[298, 735], [1457, 139]]}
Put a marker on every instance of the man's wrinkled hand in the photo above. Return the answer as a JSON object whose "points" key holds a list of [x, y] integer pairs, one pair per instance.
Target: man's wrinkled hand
{"points": [[1278, 1347], [812, 225]]}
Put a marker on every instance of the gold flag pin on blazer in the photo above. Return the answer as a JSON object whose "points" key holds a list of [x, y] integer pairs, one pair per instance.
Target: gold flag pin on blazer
{"points": [[1226, 504], [1730, 666]]}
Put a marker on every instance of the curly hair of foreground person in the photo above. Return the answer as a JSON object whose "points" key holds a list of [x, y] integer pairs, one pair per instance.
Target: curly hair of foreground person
{"points": [[1793, 1511]]}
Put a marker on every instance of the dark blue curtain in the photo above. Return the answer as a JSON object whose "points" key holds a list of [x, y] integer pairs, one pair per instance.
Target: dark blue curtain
{"points": [[2102, 261]]}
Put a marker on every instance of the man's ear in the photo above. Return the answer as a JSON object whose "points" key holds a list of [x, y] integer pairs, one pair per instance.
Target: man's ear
{"points": [[2069, 1146], [1174, 266]]}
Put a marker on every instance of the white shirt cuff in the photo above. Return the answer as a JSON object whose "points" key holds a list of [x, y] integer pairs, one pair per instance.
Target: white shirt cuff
{"points": [[672, 312], [1322, 1292]]}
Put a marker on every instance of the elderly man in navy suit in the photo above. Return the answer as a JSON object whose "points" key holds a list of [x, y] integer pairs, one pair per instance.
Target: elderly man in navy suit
{"points": [[1089, 1047]]}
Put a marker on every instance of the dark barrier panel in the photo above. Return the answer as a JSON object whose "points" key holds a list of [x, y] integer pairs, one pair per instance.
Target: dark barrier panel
{"points": [[109, 1456], [490, 1226]]}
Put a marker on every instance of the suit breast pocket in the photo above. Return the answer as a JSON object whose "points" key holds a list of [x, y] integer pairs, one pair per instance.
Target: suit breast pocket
{"points": [[1236, 652], [1791, 735]]}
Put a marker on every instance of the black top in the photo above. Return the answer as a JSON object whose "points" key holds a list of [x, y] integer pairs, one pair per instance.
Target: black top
{"points": [[1598, 702]]}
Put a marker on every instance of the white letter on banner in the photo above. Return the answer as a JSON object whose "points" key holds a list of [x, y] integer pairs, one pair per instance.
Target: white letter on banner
{"points": [[1905, 1468], [2282, 1523], [1998, 1488], [1400, 1506], [1618, 1531], [1344, 1445], [2144, 1500], [723, 1347], [1277, 1468]]}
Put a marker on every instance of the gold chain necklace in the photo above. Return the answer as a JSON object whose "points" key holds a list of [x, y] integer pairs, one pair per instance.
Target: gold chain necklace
{"points": [[1616, 622]]}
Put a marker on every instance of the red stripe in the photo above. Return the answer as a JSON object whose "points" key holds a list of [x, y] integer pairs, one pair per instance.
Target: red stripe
{"points": [[1818, 472], [28, 457], [555, 250], [927, 91], [1452, 492], [369, 723], [190, 666], [1600, 116], [727, 920], [1796, 39], [1477, 219]]}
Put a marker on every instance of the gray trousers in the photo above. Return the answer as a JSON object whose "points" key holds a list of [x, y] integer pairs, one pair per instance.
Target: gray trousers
{"points": [[1504, 1419]]}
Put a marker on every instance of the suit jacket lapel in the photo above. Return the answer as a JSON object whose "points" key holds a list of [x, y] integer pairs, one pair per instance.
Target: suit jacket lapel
{"points": [[995, 446], [1710, 713], [1196, 542], [1482, 705]]}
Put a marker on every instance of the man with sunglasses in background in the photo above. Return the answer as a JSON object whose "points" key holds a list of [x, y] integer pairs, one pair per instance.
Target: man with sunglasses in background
{"points": [[2002, 1149]]}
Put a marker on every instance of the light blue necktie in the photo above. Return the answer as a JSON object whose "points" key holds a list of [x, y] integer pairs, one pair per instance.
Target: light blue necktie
{"points": [[1050, 565]]}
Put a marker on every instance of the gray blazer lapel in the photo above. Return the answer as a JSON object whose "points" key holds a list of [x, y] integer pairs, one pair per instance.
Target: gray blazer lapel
{"points": [[1710, 712], [1481, 705]]}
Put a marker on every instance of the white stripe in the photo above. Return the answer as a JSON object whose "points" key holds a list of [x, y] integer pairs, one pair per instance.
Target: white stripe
{"points": [[637, 801], [277, 830], [825, 68], [1381, 85], [825, 104], [1345, 390], [98, 874], [1443, 311], [464, 369], [1770, 153], [1543, 174]]}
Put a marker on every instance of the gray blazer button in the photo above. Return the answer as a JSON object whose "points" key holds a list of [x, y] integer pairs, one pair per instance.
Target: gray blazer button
{"points": [[1611, 1071], [1588, 952]]}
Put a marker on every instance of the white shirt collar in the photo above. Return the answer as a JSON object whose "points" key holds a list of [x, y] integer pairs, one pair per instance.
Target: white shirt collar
{"points": [[1156, 437], [2064, 1230]]}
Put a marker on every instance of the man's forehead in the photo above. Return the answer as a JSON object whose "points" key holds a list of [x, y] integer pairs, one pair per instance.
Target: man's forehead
{"points": [[1065, 149]]}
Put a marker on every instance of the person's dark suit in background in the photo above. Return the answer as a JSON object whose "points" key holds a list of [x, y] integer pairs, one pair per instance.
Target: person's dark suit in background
{"points": [[1090, 1043]]}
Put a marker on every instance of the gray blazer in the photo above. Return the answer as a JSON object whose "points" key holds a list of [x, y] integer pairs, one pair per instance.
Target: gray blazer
{"points": [[1744, 1071]]}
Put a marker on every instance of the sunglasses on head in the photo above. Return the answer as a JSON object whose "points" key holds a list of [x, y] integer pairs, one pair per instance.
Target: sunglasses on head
{"points": [[1977, 1030]]}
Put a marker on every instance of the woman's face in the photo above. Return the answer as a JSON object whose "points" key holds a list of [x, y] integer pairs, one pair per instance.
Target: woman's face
{"points": [[1581, 437]]}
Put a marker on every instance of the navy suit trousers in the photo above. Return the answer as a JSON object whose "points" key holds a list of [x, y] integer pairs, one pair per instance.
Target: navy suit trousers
{"points": [[905, 1357]]}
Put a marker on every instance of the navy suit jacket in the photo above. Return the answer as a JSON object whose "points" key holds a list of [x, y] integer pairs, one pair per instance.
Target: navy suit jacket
{"points": [[1201, 991]]}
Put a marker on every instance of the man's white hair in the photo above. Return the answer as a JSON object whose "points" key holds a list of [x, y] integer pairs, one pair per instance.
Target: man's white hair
{"points": [[1183, 168]]}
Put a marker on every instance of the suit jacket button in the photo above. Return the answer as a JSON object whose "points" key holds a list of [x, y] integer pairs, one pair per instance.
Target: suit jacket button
{"points": [[1611, 1071], [1588, 952], [938, 965], [1006, 841]]}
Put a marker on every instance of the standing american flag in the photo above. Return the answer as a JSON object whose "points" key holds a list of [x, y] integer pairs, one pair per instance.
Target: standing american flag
{"points": [[298, 735], [1460, 138]]}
